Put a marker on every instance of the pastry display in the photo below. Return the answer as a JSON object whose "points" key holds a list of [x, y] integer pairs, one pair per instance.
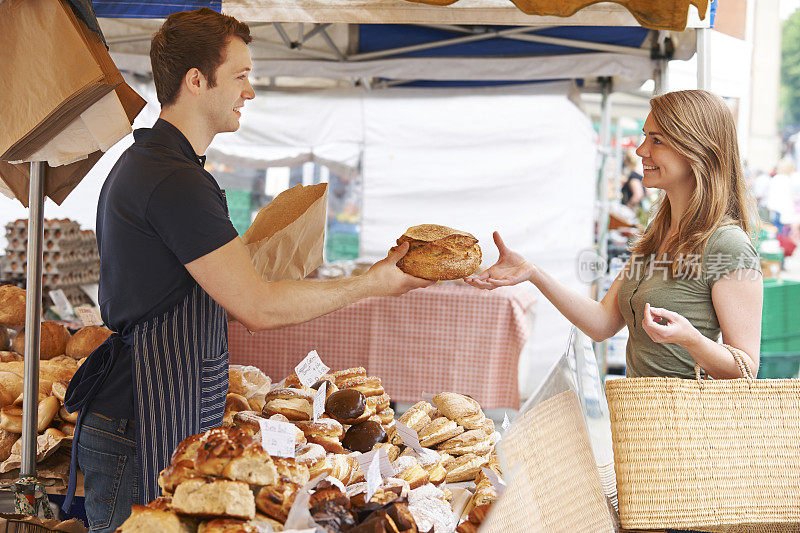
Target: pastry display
{"points": [[223, 479], [439, 253]]}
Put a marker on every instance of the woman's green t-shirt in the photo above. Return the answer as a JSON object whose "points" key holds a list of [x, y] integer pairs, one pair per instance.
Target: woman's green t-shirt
{"points": [[648, 281]]}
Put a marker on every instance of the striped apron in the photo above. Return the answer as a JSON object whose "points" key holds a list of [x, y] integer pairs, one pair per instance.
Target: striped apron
{"points": [[180, 373]]}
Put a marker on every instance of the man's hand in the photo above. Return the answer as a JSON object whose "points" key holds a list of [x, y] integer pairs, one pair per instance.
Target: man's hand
{"points": [[390, 280], [510, 269]]}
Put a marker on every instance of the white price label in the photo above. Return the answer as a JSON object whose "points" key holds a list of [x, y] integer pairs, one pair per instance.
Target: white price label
{"points": [[277, 438], [62, 303], [411, 439], [506, 422], [365, 461], [88, 315], [310, 369], [498, 484], [374, 478], [319, 401]]}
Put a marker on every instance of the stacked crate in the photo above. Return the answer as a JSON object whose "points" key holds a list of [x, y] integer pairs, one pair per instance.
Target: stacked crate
{"points": [[69, 257]]}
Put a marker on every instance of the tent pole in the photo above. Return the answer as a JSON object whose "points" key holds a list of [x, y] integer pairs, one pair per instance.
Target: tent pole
{"points": [[703, 59], [601, 196], [33, 314]]}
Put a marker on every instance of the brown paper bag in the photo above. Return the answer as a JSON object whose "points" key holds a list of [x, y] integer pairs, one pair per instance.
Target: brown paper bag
{"points": [[60, 181], [60, 68], [286, 239]]}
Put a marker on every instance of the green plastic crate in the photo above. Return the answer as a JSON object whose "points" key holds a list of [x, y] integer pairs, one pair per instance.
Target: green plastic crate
{"points": [[780, 327], [779, 365], [238, 199], [339, 246]]}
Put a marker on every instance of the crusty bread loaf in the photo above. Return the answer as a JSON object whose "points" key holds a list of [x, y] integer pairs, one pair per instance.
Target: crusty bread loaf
{"points": [[7, 440], [53, 341], [223, 498], [12, 306], [146, 520], [439, 253], [86, 340]]}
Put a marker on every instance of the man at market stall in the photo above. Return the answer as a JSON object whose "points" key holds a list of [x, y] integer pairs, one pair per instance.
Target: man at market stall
{"points": [[172, 269]]}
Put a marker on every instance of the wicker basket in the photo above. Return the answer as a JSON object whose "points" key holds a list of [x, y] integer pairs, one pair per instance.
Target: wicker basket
{"points": [[712, 455], [553, 485]]}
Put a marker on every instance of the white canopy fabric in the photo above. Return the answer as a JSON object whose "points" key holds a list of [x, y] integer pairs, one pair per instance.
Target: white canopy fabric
{"points": [[513, 159]]}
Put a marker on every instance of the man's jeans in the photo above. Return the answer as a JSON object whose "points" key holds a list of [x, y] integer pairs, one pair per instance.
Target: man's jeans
{"points": [[107, 458]]}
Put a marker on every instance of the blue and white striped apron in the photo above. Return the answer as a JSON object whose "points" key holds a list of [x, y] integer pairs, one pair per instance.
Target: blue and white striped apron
{"points": [[180, 373]]}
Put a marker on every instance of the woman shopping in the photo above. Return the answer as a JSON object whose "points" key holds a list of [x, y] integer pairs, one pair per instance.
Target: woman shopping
{"points": [[694, 273]]}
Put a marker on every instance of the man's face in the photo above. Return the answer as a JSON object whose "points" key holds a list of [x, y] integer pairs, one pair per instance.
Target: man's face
{"points": [[225, 100]]}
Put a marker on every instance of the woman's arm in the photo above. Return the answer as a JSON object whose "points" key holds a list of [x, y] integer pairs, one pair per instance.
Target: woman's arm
{"points": [[737, 299], [598, 320]]}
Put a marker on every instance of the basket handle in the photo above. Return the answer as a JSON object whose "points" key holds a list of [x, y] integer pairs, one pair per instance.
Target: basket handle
{"points": [[739, 357]]}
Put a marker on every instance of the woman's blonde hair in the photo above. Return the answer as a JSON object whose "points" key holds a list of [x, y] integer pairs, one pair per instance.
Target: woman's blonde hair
{"points": [[700, 127]]}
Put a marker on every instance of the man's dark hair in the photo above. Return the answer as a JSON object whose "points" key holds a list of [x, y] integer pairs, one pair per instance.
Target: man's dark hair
{"points": [[191, 39]]}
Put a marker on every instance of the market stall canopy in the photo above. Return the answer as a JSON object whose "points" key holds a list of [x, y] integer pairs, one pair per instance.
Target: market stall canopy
{"points": [[652, 14]]}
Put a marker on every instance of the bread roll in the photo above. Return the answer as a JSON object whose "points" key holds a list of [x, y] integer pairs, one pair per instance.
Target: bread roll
{"points": [[12, 306], [53, 340], [11, 415], [86, 340], [439, 253], [10, 388], [197, 497], [7, 440], [144, 520]]}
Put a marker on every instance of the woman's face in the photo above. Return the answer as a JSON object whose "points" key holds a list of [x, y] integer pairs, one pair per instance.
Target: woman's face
{"points": [[664, 168]]}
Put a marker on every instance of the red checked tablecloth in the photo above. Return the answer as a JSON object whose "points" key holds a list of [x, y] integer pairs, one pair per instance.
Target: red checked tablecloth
{"points": [[444, 338]]}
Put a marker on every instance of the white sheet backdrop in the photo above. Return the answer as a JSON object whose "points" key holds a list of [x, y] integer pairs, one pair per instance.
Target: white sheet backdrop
{"points": [[518, 160]]}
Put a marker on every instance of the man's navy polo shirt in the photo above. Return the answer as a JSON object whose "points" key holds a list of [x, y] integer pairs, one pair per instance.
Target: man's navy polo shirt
{"points": [[158, 210]]}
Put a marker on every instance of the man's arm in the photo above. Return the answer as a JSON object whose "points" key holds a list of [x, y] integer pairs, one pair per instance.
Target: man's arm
{"points": [[228, 276]]}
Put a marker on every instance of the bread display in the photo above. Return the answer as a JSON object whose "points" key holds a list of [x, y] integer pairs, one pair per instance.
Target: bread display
{"points": [[86, 340], [224, 480], [439, 253], [52, 343]]}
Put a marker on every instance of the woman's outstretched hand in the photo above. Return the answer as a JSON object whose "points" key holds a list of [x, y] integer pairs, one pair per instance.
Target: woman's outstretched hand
{"points": [[510, 269]]}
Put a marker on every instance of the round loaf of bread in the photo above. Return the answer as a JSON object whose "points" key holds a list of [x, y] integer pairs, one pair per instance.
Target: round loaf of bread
{"points": [[86, 340], [12, 306], [53, 340], [439, 253]]}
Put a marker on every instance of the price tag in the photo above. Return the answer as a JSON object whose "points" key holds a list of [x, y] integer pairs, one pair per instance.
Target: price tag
{"points": [[374, 478], [311, 369], [498, 484], [365, 461], [428, 397], [506, 422], [91, 290], [88, 315], [277, 438], [411, 439], [62, 303], [319, 401]]}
